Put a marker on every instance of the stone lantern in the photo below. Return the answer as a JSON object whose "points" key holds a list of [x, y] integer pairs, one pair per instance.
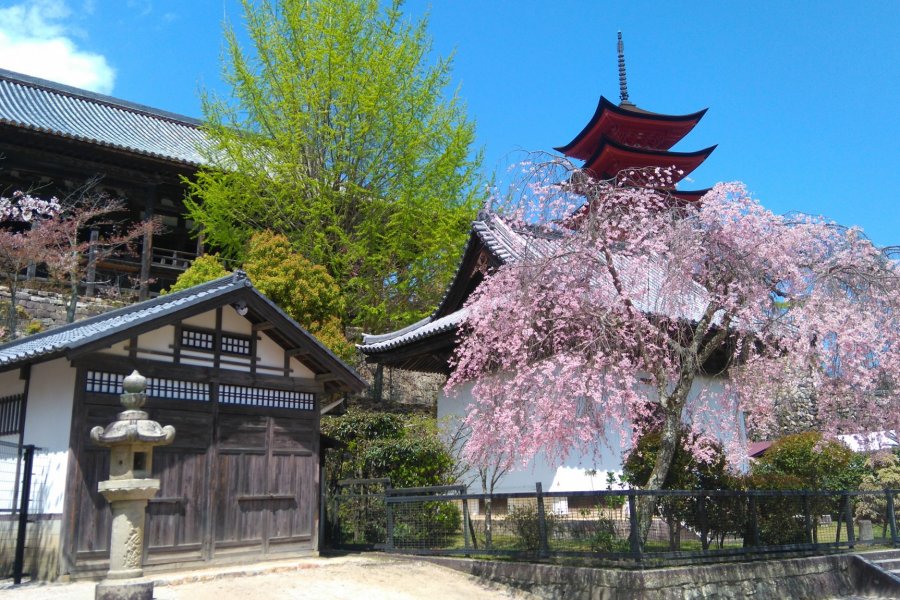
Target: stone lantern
{"points": [[130, 438]]}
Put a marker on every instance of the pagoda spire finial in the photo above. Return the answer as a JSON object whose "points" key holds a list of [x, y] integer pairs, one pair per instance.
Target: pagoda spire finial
{"points": [[623, 80]]}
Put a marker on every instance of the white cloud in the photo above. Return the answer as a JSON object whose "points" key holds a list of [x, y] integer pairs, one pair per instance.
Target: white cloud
{"points": [[36, 40]]}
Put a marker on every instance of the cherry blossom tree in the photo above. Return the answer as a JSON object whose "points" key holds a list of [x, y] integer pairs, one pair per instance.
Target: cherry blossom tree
{"points": [[70, 253], [624, 298], [54, 233], [23, 241]]}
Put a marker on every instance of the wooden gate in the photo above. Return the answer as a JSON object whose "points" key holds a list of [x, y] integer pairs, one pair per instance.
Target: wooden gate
{"points": [[239, 478]]}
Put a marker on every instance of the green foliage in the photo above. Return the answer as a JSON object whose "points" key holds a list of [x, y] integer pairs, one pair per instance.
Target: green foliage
{"points": [[685, 473], [34, 326], [303, 290], [203, 268], [524, 521], [429, 525], [806, 461], [884, 474], [802, 461], [337, 134], [599, 533], [404, 448]]}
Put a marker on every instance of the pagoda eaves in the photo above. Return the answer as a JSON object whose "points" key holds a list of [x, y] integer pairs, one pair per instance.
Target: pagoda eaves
{"points": [[611, 158], [630, 126]]}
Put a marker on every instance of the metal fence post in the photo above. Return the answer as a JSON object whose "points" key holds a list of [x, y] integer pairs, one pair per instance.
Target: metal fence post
{"points": [[704, 522], [389, 517], [634, 536], [807, 518], [542, 521], [19, 562], [892, 517], [849, 504], [466, 523], [754, 523]]}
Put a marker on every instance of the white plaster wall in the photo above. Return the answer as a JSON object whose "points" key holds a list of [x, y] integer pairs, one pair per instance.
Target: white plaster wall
{"points": [[574, 473], [48, 420], [10, 383], [206, 320], [231, 321], [161, 339], [120, 349], [298, 369], [272, 355]]}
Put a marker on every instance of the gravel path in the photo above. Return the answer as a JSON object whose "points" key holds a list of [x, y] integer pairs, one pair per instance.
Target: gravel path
{"points": [[346, 578]]}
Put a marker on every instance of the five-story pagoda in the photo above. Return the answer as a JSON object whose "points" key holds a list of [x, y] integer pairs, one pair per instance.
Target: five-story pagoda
{"points": [[621, 137]]}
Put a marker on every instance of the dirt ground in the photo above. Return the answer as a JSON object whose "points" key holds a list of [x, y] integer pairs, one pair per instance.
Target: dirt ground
{"points": [[370, 577]]}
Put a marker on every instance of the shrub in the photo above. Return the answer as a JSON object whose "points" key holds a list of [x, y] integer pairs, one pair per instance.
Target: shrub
{"points": [[524, 521], [884, 474], [810, 462]]}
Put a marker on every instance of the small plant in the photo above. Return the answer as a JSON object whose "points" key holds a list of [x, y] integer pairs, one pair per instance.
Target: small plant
{"points": [[33, 327], [525, 523]]}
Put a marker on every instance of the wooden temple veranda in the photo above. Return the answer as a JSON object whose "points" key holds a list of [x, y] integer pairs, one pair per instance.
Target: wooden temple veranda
{"points": [[56, 139]]}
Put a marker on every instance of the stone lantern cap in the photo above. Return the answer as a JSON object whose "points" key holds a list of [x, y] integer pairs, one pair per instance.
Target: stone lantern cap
{"points": [[133, 425]]}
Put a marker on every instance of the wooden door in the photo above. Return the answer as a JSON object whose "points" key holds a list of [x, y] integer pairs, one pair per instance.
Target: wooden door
{"points": [[266, 481], [175, 528], [176, 524]]}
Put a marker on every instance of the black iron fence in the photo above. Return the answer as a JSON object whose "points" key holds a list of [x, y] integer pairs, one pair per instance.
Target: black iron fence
{"points": [[16, 468], [626, 525]]}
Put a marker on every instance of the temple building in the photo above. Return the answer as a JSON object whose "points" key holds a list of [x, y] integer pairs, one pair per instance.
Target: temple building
{"points": [[56, 139], [617, 137]]}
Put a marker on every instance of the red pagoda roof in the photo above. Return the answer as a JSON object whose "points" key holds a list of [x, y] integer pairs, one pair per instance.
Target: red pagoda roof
{"points": [[611, 158], [631, 126]]}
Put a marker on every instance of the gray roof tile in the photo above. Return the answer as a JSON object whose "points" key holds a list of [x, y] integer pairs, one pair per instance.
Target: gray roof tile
{"points": [[49, 107], [513, 243], [75, 334]]}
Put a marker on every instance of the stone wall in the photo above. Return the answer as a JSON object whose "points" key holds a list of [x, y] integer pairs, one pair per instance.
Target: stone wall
{"points": [[48, 307], [809, 578]]}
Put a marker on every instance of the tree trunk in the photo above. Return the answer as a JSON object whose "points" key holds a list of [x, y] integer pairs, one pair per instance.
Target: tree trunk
{"points": [[73, 303], [488, 532], [646, 505], [12, 317]]}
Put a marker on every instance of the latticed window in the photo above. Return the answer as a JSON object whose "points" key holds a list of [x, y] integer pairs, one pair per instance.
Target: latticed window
{"points": [[100, 382], [201, 339], [232, 344], [266, 398], [10, 413], [198, 340]]}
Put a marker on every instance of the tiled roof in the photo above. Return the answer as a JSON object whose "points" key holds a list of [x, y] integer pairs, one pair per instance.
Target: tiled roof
{"points": [[110, 327], [420, 330], [70, 337], [514, 243], [45, 106]]}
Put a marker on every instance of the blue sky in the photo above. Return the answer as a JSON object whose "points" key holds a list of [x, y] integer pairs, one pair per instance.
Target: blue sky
{"points": [[803, 96]]}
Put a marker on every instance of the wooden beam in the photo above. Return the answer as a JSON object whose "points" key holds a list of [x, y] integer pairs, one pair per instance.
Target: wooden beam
{"points": [[325, 377], [296, 352], [264, 326]]}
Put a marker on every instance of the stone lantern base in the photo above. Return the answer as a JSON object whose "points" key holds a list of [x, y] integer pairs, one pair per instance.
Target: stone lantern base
{"points": [[124, 589]]}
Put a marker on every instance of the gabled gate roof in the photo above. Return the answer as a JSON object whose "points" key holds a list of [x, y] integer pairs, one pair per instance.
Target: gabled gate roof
{"points": [[110, 328]]}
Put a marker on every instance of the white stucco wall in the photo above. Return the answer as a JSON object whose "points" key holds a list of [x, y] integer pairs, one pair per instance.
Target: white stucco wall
{"points": [[48, 420], [10, 383], [584, 471], [231, 321]]}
